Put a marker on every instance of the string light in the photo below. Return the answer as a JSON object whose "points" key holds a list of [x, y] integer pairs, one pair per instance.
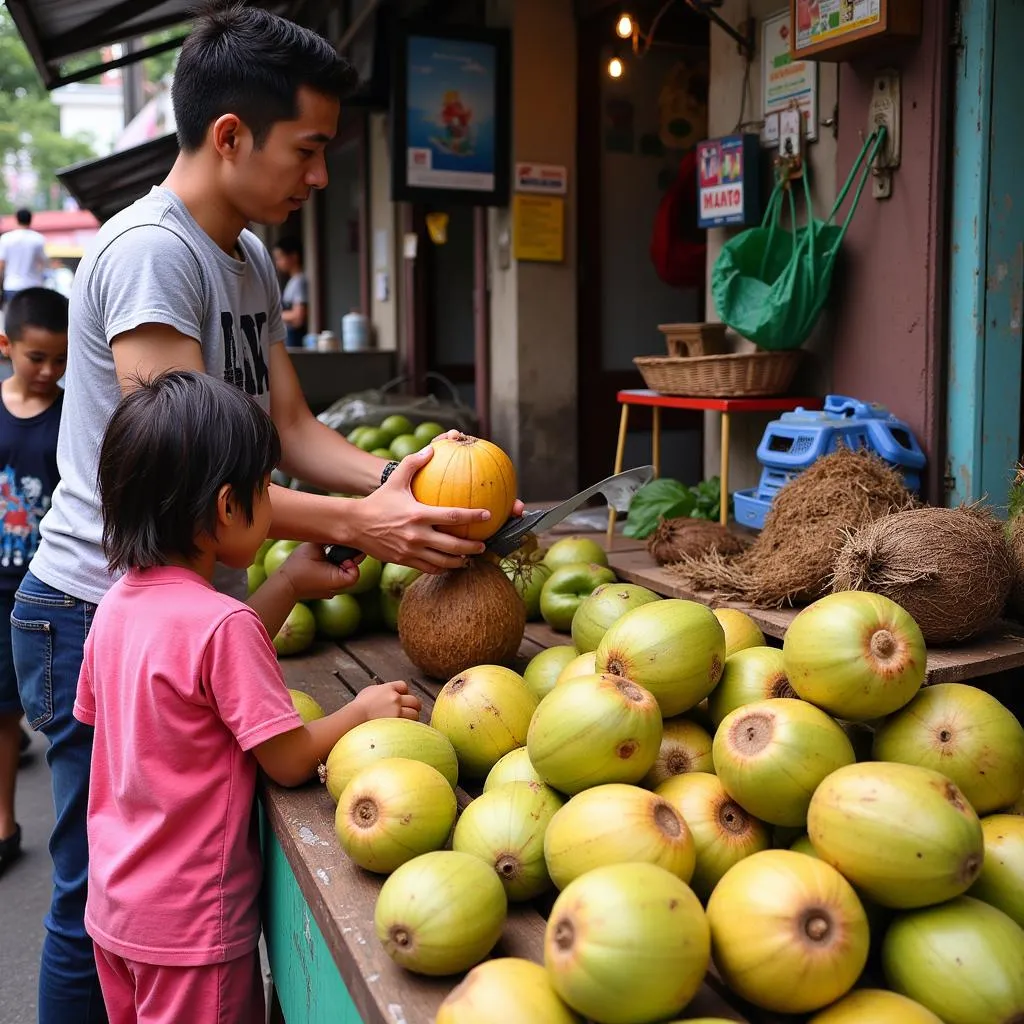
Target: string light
{"points": [[624, 26], [615, 68]]}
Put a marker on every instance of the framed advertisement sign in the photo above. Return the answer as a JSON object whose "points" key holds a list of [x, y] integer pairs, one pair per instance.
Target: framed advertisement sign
{"points": [[450, 116], [836, 30], [728, 188]]}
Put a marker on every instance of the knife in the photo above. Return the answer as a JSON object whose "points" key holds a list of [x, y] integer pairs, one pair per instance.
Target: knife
{"points": [[618, 490]]}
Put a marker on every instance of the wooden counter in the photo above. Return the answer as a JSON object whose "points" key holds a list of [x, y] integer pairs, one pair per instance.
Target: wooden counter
{"points": [[327, 963]]}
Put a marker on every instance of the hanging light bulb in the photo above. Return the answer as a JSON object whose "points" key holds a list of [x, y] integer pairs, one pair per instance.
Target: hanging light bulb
{"points": [[624, 26], [615, 68]]}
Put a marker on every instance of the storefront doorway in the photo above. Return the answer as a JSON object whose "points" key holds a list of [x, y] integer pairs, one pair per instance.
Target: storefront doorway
{"points": [[633, 132]]}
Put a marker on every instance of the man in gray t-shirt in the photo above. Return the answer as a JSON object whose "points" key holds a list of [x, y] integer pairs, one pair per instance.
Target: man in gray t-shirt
{"points": [[176, 280]]}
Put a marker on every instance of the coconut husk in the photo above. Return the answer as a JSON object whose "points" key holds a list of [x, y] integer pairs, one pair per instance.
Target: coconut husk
{"points": [[948, 567], [1015, 603], [461, 618], [675, 539], [792, 560]]}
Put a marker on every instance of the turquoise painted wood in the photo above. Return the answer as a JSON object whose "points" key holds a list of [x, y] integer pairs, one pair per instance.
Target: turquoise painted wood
{"points": [[1000, 421], [969, 236], [309, 987], [987, 259]]}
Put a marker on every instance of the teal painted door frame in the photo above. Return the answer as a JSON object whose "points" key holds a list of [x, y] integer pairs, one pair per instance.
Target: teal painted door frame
{"points": [[987, 258]]}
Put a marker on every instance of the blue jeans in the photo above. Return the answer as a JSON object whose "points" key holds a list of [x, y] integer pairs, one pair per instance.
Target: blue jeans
{"points": [[48, 631]]}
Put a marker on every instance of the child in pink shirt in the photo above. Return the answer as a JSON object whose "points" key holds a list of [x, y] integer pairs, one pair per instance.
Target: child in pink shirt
{"points": [[183, 688]]}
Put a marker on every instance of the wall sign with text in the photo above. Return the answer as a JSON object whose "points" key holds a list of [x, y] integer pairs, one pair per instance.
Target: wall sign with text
{"points": [[728, 181]]}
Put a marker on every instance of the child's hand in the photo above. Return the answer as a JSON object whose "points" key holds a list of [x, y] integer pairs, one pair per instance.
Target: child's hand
{"points": [[312, 577], [388, 700]]}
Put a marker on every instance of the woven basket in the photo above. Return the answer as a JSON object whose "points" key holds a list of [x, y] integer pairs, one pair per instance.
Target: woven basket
{"points": [[740, 375], [701, 339]]}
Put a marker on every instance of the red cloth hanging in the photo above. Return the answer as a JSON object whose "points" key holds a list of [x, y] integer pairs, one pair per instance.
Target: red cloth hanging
{"points": [[678, 245]]}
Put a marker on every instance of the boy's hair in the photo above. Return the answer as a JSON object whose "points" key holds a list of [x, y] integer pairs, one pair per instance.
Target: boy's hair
{"points": [[246, 61], [24, 217], [36, 307], [290, 245], [170, 446]]}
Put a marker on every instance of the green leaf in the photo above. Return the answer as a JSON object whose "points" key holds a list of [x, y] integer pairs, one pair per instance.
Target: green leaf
{"points": [[660, 499]]}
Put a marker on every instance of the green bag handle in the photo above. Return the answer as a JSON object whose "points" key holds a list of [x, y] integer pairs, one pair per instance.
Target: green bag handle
{"points": [[774, 215], [861, 166], [875, 141]]}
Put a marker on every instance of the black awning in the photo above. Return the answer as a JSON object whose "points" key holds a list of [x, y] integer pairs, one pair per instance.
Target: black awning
{"points": [[54, 30], [111, 183]]}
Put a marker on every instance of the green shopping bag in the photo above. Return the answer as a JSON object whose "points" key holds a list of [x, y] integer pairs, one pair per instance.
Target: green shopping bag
{"points": [[769, 284]]}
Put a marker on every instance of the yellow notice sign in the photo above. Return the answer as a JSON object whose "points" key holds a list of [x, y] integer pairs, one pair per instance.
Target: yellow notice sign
{"points": [[538, 228]]}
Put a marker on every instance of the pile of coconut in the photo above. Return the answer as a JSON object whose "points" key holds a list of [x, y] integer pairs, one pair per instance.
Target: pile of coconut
{"points": [[849, 523]]}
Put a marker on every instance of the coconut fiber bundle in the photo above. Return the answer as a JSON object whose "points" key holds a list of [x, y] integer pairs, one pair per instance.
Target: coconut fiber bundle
{"points": [[1015, 531], [950, 568], [675, 539], [792, 560]]}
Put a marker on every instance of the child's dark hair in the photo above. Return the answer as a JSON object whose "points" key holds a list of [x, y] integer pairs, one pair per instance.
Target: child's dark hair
{"points": [[290, 245], [246, 61], [170, 446], [36, 307]]}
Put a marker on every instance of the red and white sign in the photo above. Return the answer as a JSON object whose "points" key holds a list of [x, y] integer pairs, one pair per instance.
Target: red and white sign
{"points": [[721, 201], [546, 179]]}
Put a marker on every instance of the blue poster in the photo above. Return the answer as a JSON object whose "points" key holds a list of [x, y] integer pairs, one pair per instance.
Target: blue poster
{"points": [[450, 114]]}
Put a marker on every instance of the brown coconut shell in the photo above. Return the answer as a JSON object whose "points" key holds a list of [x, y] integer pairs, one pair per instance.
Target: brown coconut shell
{"points": [[453, 621], [792, 559], [949, 568], [1015, 603], [675, 539]]}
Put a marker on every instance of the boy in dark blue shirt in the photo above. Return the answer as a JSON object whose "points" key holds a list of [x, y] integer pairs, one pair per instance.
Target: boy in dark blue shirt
{"points": [[36, 343]]}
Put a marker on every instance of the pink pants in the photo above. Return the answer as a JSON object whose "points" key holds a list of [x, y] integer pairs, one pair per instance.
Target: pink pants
{"points": [[137, 993]]}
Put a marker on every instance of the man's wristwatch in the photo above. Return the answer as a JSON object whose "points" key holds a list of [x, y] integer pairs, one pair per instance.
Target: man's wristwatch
{"points": [[388, 470]]}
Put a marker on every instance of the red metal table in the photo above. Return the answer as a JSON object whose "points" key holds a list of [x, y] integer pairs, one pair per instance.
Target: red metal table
{"points": [[726, 406]]}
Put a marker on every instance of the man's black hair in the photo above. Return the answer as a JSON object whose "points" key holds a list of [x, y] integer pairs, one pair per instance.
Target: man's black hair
{"points": [[36, 307], [290, 245], [24, 217], [246, 61], [171, 445]]}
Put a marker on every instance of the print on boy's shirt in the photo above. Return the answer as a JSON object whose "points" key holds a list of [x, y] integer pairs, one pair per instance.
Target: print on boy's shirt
{"points": [[244, 365], [20, 512]]}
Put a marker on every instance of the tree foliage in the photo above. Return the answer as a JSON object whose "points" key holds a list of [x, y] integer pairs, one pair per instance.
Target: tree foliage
{"points": [[30, 124]]}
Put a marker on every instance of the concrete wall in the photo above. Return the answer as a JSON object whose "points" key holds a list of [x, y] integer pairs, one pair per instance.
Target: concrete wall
{"points": [[533, 305], [889, 337], [383, 238], [727, 74]]}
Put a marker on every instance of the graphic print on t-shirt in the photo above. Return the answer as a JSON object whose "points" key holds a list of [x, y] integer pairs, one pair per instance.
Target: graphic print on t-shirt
{"points": [[244, 365], [22, 505]]}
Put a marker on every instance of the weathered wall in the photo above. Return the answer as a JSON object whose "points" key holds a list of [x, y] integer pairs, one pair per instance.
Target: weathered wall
{"points": [[727, 72], [890, 328], [533, 305]]}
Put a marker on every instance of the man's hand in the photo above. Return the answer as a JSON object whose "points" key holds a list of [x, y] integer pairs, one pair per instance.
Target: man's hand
{"points": [[394, 527], [312, 577]]}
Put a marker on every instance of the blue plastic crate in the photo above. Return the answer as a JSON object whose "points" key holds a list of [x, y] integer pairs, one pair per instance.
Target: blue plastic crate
{"points": [[797, 439]]}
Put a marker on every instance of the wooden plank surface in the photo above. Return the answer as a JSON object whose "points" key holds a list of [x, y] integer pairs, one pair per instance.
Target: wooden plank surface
{"points": [[999, 651], [341, 896]]}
